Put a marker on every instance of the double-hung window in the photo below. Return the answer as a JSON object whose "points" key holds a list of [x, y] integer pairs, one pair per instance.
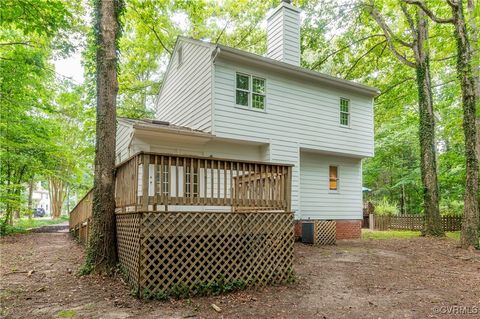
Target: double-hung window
{"points": [[344, 112], [250, 91]]}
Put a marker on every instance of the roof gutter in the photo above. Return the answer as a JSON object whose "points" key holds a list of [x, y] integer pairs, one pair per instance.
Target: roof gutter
{"points": [[250, 58], [171, 130]]}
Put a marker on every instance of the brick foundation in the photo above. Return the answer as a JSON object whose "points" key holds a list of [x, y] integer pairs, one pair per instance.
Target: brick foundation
{"points": [[346, 229], [349, 229], [297, 230]]}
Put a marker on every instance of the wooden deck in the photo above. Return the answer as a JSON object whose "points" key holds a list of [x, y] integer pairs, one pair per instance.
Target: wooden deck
{"points": [[197, 222]]}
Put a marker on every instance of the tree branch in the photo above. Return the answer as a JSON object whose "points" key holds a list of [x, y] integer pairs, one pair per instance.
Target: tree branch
{"points": [[223, 31], [386, 29], [16, 43], [152, 28], [452, 3], [395, 85], [387, 32], [362, 56], [325, 58], [409, 18], [428, 12], [159, 39]]}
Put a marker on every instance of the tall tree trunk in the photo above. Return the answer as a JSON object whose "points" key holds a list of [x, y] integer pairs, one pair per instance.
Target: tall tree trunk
{"points": [[476, 77], [57, 196], [428, 159], [102, 255], [465, 72]]}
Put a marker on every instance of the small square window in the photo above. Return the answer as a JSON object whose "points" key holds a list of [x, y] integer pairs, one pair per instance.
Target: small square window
{"points": [[250, 91], [333, 178]]}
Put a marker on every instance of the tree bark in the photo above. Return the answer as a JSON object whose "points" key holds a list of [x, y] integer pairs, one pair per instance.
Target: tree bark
{"points": [[57, 196], [102, 255], [470, 225], [476, 77], [428, 159]]}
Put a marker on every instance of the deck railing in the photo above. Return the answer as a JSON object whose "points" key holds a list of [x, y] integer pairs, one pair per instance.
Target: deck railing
{"points": [[148, 181], [166, 182], [80, 216]]}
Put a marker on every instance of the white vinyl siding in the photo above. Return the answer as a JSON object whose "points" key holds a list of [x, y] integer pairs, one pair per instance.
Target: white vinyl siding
{"points": [[317, 200], [283, 35], [300, 114], [124, 132], [185, 97]]}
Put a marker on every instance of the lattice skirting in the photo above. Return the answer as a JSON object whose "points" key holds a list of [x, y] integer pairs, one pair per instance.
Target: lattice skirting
{"points": [[325, 232], [128, 246], [161, 250]]}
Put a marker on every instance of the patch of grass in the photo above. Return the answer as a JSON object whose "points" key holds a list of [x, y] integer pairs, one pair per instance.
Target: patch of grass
{"points": [[453, 235], [389, 234], [67, 313], [21, 225], [38, 222]]}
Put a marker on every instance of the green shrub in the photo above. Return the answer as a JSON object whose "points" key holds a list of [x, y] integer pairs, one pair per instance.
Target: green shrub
{"points": [[180, 291], [162, 295], [7, 229], [385, 208], [22, 225], [452, 208]]}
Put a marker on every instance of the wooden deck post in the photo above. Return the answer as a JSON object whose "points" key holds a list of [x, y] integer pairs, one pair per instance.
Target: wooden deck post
{"points": [[288, 189], [145, 180]]}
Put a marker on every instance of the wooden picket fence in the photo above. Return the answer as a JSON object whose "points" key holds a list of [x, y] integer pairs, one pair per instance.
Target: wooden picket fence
{"points": [[414, 222]]}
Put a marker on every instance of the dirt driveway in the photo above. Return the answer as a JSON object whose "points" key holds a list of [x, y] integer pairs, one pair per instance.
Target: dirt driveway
{"points": [[395, 278]]}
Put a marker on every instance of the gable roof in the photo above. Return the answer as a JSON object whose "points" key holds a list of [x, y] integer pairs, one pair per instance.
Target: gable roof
{"points": [[227, 52]]}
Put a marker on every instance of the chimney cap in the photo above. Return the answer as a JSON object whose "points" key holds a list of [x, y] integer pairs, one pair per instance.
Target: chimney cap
{"points": [[283, 4]]}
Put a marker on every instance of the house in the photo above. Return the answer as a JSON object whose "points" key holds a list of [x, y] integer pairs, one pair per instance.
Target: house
{"points": [[223, 102], [41, 198]]}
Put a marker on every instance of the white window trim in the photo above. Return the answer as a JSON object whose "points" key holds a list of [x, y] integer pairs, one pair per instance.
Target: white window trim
{"points": [[340, 113], [334, 191], [250, 93]]}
